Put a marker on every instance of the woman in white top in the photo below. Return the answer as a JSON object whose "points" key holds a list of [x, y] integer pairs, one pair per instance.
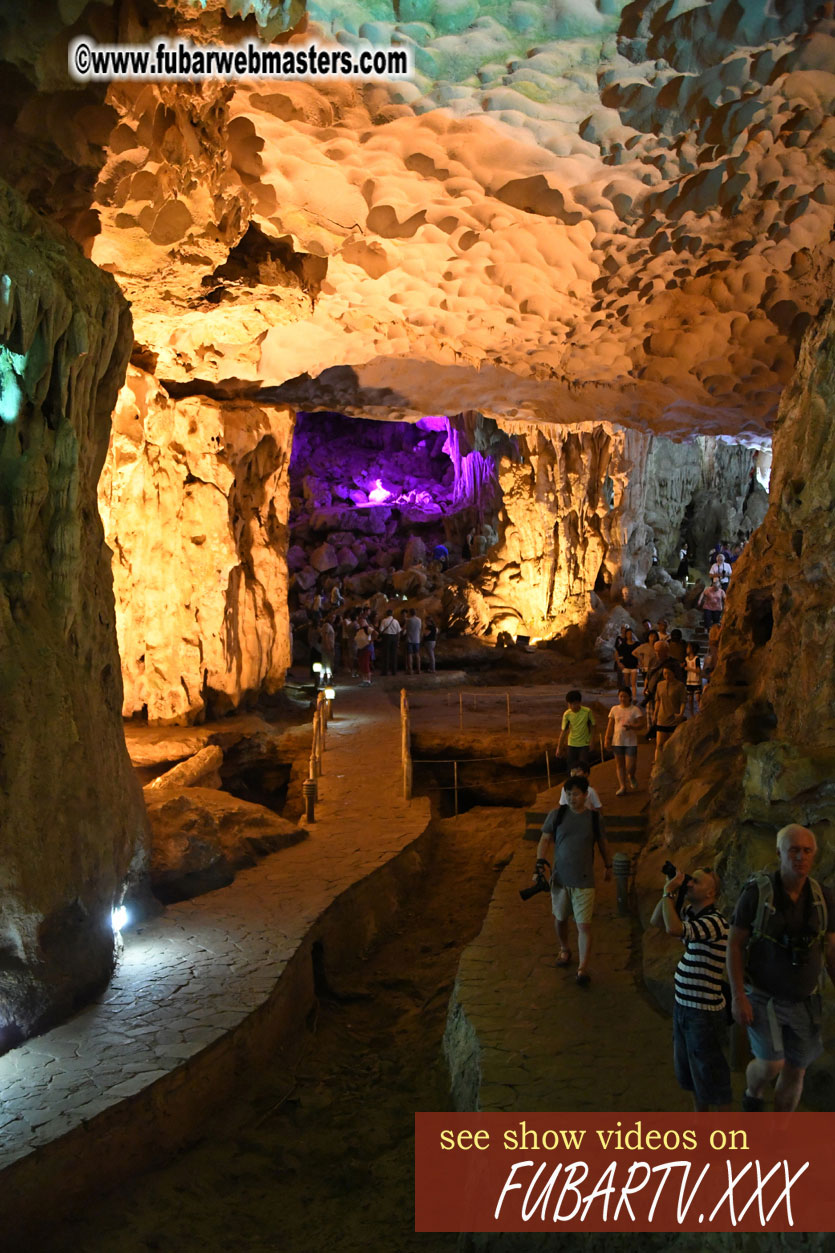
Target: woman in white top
{"points": [[622, 737]]}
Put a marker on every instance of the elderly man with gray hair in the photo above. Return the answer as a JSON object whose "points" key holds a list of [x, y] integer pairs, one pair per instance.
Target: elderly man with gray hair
{"points": [[782, 936]]}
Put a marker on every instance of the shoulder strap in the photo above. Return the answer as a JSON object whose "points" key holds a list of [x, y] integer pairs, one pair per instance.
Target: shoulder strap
{"points": [[560, 813], [765, 902], [819, 901]]}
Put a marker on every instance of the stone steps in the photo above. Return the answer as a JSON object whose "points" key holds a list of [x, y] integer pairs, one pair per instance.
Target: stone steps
{"points": [[629, 827]]}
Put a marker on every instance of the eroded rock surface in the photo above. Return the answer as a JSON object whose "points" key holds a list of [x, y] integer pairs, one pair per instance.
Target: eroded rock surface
{"points": [[194, 500], [564, 214], [201, 836], [74, 829], [762, 752]]}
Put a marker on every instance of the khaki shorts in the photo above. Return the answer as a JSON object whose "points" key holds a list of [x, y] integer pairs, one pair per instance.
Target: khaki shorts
{"points": [[576, 901]]}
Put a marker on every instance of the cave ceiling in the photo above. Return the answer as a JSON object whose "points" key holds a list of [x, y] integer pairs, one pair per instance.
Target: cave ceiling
{"points": [[570, 211]]}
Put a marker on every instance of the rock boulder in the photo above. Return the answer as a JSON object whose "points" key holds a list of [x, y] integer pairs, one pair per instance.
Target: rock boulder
{"points": [[201, 836]]}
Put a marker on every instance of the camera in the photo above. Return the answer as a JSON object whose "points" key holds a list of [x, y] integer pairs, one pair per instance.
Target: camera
{"points": [[670, 871], [541, 881], [541, 885]]}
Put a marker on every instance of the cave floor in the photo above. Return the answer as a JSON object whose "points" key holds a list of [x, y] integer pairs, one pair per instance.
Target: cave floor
{"points": [[191, 978], [319, 1150], [545, 1044]]}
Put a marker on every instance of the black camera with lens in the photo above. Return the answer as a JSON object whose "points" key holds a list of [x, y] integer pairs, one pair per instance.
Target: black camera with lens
{"points": [[541, 884], [670, 871], [541, 881]]}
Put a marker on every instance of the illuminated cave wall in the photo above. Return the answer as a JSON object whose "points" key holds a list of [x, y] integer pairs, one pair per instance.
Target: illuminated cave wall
{"points": [[72, 835], [761, 753], [566, 215], [570, 515], [608, 225], [612, 227], [194, 497], [371, 495]]}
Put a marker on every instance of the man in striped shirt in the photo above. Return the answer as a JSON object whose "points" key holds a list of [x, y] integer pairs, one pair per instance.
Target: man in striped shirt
{"points": [[700, 1030]]}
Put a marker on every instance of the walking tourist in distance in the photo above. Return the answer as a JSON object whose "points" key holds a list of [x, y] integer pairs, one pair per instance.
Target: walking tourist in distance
{"points": [[625, 719], [693, 677], [669, 705], [712, 602], [628, 662], [577, 730]]}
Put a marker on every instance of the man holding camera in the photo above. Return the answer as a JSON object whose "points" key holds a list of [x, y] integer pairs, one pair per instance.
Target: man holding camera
{"points": [[782, 935], [574, 830], [688, 910]]}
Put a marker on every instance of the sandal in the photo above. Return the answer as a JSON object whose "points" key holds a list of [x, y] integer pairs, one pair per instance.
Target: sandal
{"points": [[564, 957]]}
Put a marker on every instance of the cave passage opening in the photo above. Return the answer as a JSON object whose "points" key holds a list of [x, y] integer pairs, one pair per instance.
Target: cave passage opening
{"points": [[378, 502]]}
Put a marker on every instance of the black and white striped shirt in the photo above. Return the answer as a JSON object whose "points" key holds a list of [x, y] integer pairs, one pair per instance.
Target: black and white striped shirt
{"points": [[701, 971]]}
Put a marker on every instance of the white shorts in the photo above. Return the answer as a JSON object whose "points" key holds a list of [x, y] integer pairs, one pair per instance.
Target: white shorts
{"points": [[576, 901]]}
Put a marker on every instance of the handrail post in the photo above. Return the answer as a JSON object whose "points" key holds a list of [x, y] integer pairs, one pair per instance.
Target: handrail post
{"points": [[405, 745]]}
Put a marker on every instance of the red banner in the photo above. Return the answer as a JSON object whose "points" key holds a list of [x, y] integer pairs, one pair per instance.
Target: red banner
{"points": [[624, 1172]]}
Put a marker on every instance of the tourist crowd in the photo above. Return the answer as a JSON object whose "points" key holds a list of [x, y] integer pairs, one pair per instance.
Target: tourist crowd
{"points": [[361, 641]]}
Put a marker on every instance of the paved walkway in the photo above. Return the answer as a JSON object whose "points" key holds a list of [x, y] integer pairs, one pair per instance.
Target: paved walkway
{"points": [[195, 974], [524, 1036]]}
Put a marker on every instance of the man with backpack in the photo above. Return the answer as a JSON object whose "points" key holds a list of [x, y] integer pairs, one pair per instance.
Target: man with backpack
{"points": [[573, 830], [782, 936]]}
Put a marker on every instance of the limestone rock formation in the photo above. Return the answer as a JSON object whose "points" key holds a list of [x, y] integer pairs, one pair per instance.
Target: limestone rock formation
{"points": [[607, 223], [564, 214], [584, 504], [762, 752], [74, 830], [194, 500], [201, 770], [201, 836]]}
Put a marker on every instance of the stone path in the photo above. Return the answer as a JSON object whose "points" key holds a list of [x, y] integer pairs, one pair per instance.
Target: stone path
{"points": [[523, 1036], [193, 982], [197, 973]]}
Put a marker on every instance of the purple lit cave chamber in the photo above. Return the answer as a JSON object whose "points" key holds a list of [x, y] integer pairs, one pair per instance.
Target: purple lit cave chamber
{"points": [[369, 495]]}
